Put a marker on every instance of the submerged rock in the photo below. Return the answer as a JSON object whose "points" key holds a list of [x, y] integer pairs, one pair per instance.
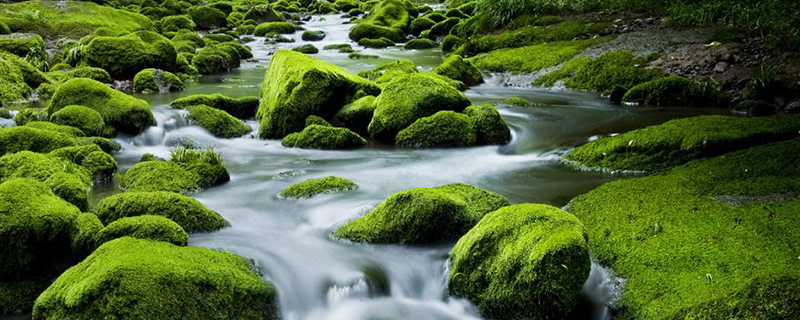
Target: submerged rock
{"points": [[324, 137], [456, 68], [86, 119], [188, 170], [242, 108], [443, 129], [126, 55], [155, 80], [189, 213], [307, 49], [312, 187], [218, 122], [674, 91], [150, 227]]}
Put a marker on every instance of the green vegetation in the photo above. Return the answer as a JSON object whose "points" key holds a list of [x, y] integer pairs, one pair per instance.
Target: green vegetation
{"points": [[145, 279], [421, 24], [313, 35], [207, 17], [313, 187], [15, 139], [273, 27], [324, 137], [516, 101], [242, 108], [423, 215], [87, 120], [124, 56], [189, 213], [218, 122], [307, 49], [176, 23], [188, 170], [379, 43], [371, 31], [526, 261], [456, 68], [49, 126], [527, 32], [155, 80], [441, 130], [356, 115], [421, 43], [674, 91], [156, 228], [679, 141], [490, 128], [613, 69], [18, 78], [73, 19], [531, 58]]}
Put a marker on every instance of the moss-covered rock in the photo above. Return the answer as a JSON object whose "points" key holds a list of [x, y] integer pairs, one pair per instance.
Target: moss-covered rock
{"points": [[421, 24], [423, 215], [526, 261], [69, 187], [42, 167], [151, 227], [242, 108], [379, 43], [218, 122], [392, 14], [124, 113], [274, 27], [107, 145], [214, 59], [442, 28], [86, 119], [15, 139], [385, 71], [126, 55], [84, 234], [49, 126], [490, 128], [155, 80], [421, 43], [306, 48], [176, 23], [341, 47], [456, 68], [207, 17], [313, 35], [679, 141], [451, 42], [297, 86], [19, 78], [190, 214], [4, 28], [313, 187], [530, 59], [324, 137], [674, 91], [441, 130], [188, 170], [372, 31], [158, 280], [22, 44], [263, 13], [516, 101], [356, 115], [312, 120], [408, 98]]}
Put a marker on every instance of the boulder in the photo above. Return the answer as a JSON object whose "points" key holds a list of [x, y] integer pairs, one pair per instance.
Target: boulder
{"points": [[218, 122], [313, 187], [155, 80], [188, 170], [324, 137], [16, 139], [274, 27], [242, 108], [456, 68], [674, 91], [189, 213], [156, 228], [490, 128], [86, 119], [356, 115], [422, 43], [207, 17], [441, 130], [124, 56]]}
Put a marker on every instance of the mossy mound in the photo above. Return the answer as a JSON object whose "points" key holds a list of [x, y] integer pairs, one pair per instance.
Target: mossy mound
{"points": [[217, 58], [418, 44], [490, 128], [421, 24], [456, 68], [42, 166], [189, 213], [526, 261], [674, 91], [356, 115], [714, 238], [613, 69], [679, 141], [242, 108], [530, 59], [306, 48], [263, 13], [324, 137], [342, 48], [21, 45], [391, 14], [188, 170], [69, 187], [444, 129], [156, 228], [49, 126], [312, 120], [313, 187], [144, 279], [313, 35], [124, 113], [371, 31], [155, 80], [207, 17], [176, 23], [423, 215], [516, 101], [379, 43], [15, 139], [218, 122], [18, 79], [442, 28], [452, 42], [126, 55], [408, 98], [389, 70], [71, 20], [274, 27], [297, 86], [93, 73], [86, 119]]}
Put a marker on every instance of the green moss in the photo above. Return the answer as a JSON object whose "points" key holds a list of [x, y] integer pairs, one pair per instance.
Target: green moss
{"points": [[49, 126], [39, 166], [372, 31], [401, 66], [359, 56], [423, 215], [516, 101], [441, 130], [526, 261], [451, 42], [617, 68], [379, 43], [215, 59], [124, 56], [190, 214], [342, 48], [710, 230], [456, 68], [145, 279], [297, 86], [100, 165], [313, 187], [565, 71], [324, 137], [356, 115], [155, 80], [242, 108], [21, 44], [528, 33], [392, 14], [107, 145], [306, 48], [89, 121], [69, 187], [408, 98], [73, 19], [87, 225], [313, 35], [421, 24], [176, 23], [12, 80], [188, 170], [679, 141], [208, 17], [442, 28], [675, 91], [420, 44], [490, 128], [4, 28], [263, 13], [218, 37], [274, 27], [151, 227], [97, 74], [15, 139], [30, 74], [125, 113], [218, 122], [532, 58], [311, 120]]}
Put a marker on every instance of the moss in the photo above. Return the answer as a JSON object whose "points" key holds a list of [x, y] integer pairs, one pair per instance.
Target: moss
{"points": [[679, 141], [188, 170], [342, 48], [39, 166], [97, 74], [675, 91], [423, 215], [4, 28], [490, 128], [516, 101], [69, 187], [306, 48], [145, 279], [297, 86], [12, 80], [21, 44], [456, 68], [420, 44], [15, 139], [532, 58], [89, 121], [408, 98], [30, 74], [324, 137], [124, 56], [359, 56], [345, 5], [218, 122], [246, 29], [526, 33], [566, 70], [617, 68], [155, 80], [372, 31], [107, 145], [436, 16], [208, 17], [451, 42], [421, 24], [526, 261], [356, 115], [443, 129], [274, 27], [379, 43], [215, 59], [176, 23], [392, 14], [709, 230], [100, 165], [442, 28], [313, 35], [242, 108], [87, 225], [190, 214], [73, 19], [263, 13], [49, 126], [311, 120], [312, 187], [151, 227], [218, 37], [125, 113]]}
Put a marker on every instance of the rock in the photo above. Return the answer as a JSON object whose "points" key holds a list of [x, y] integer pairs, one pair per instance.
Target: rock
{"points": [[324, 137], [189, 213], [124, 113], [444, 129], [345, 5], [264, 13], [215, 59], [792, 108], [356, 115], [754, 108], [49, 126], [384, 72], [274, 27], [313, 35], [456, 68], [451, 42], [617, 94], [721, 67], [392, 14], [218, 122], [188, 170], [312, 187], [526, 261], [342, 48], [307, 49], [441, 29], [312, 120], [207, 17], [158, 280], [155, 80], [86, 119], [126, 55], [297, 86], [417, 44], [674, 91], [91, 157], [176, 23], [379, 43], [423, 215], [156, 228], [71, 188], [22, 44], [421, 24], [18, 78], [371, 31], [490, 128], [16, 139], [242, 108], [408, 98]]}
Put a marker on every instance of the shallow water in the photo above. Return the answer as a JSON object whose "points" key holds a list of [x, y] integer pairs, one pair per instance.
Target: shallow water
{"points": [[289, 240]]}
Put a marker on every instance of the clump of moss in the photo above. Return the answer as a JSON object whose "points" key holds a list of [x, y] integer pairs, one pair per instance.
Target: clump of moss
{"points": [[567, 70], [516, 101], [442, 129], [263, 13], [356, 115], [389, 69], [22, 44], [156, 228], [218, 122], [313, 35], [16, 139], [190, 214], [78, 19], [49, 126], [679, 141], [423, 215], [371, 31], [421, 24], [86, 119], [422, 43], [359, 56], [532, 58], [674, 91], [306, 48], [342, 48], [526, 261], [207, 17], [324, 137], [274, 27], [69, 187], [176, 23], [155, 80], [617, 68], [18, 78], [107, 145], [490, 128], [93, 73], [158, 280], [297, 86], [451, 42], [84, 234], [242, 108], [379, 43], [391, 14], [188, 170], [312, 120], [126, 55], [456, 68], [100, 165], [313, 187]]}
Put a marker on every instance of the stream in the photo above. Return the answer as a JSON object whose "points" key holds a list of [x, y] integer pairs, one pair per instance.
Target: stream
{"points": [[319, 277]]}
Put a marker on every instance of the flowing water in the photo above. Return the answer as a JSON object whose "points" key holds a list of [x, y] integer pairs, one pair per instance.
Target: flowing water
{"points": [[319, 277]]}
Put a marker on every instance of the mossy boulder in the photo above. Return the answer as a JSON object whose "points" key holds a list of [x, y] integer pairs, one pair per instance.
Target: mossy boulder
{"points": [[389, 70], [189, 213], [408, 98], [490, 128], [15, 139], [214, 59], [324, 137], [124, 56], [155, 80], [674, 91], [274, 27], [356, 115], [420, 44], [441, 130], [313, 35], [526, 261], [456, 68], [218, 122], [176, 23], [22, 44], [49, 126], [86, 119], [313, 187], [42, 166], [516, 101], [297, 86], [124, 113], [263, 13], [69, 187], [188, 170], [19, 78], [451, 42], [423, 215], [442, 28], [242, 108], [379, 43], [312, 120], [4, 28], [392, 14], [679, 141], [372, 31], [306, 48], [421, 24], [207, 17], [156, 228], [144, 279]]}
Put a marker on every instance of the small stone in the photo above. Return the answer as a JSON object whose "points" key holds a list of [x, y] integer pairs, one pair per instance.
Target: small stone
{"points": [[793, 108], [721, 67]]}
